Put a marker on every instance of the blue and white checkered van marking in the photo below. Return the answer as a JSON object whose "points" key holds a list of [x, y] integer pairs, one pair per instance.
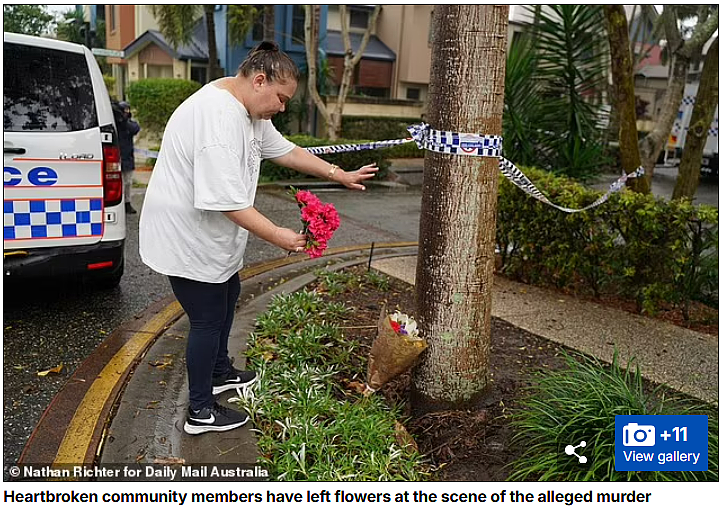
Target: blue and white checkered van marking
{"points": [[52, 218]]}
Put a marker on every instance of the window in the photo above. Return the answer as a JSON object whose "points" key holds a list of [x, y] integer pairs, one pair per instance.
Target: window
{"points": [[46, 90], [113, 24], [374, 92], [298, 24], [100, 12], [359, 19], [413, 93]]}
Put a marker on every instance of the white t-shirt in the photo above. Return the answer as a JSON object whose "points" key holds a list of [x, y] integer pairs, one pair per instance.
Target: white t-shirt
{"points": [[209, 162]]}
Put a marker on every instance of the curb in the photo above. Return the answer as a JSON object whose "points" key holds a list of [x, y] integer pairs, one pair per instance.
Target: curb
{"points": [[78, 421]]}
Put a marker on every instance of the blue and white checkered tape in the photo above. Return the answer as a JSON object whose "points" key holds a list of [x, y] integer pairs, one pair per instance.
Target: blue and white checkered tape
{"points": [[52, 218]]}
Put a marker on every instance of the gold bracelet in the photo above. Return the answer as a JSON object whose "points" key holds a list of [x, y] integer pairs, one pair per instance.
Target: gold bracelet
{"points": [[333, 169]]}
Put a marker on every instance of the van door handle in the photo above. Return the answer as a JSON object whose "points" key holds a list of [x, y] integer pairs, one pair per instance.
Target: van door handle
{"points": [[14, 150]]}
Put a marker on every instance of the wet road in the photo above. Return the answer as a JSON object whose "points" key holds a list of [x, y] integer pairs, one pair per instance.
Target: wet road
{"points": [[62, 323]]}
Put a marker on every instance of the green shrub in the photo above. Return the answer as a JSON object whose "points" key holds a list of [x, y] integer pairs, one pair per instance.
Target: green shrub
{"points": [[154, 100], [648, 249], [580, 403], [348, 161], [309, 427], [409, 150], [110, 84], [376, 128]]}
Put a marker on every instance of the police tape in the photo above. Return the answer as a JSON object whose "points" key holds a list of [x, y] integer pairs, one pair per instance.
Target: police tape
{"points": [[470, 144], [466, 144]]}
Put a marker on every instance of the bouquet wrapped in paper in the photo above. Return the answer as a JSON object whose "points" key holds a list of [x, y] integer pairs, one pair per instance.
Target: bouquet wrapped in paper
{"points": [[394, 350]]}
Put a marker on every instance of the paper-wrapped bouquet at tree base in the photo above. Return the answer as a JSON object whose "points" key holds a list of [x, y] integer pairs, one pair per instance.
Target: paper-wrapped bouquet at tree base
{"points": [[394, 350]]}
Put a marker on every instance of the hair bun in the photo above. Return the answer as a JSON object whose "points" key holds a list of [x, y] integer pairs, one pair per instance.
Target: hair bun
{"points": [[266, 46]]}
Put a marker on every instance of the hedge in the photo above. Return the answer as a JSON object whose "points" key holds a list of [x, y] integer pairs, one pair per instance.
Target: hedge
{"points": [[347, 161], [153, 100], [652, 250], [376, 128], [110, 85], [382, 128]]}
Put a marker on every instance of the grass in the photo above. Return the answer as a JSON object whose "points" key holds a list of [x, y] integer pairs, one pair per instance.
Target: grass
{"points": [[580, 403], [310, 426], [334, 283]]}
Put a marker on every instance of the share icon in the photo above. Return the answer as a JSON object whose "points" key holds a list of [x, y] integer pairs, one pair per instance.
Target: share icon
{"points": [[570, 450]]}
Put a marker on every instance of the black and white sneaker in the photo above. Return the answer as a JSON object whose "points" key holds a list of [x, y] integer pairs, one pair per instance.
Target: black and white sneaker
{"points": [[234, 380], [215, 418]]}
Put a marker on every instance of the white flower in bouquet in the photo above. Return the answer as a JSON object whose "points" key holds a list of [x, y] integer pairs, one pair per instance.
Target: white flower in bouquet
{"points": [[404, 324]]}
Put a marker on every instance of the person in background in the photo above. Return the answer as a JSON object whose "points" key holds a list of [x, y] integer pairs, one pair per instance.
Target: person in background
{"points": [[127, 128]]}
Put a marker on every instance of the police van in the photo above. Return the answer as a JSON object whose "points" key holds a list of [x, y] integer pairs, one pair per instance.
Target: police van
{"points": [[62, 187]]}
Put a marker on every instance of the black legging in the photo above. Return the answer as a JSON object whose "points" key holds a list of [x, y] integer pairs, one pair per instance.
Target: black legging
{"points": [[211, 308]]}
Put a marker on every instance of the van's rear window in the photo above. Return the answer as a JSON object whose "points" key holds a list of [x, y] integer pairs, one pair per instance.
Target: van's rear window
{"points": [[46, 90]]}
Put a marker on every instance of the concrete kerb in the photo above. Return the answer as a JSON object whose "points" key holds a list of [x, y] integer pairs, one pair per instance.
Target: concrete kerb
{"points": [[147, 424]]}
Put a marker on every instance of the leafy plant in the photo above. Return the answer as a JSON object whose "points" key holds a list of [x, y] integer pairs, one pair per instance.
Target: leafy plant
{"points": [[348, 161], [522, 102], [309, 427], [553, 415], [154, 100], [656, 252], [695, 275], [570, 43]]}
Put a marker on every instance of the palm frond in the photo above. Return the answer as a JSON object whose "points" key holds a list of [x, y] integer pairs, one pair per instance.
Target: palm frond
{"points": [[176, 22]]}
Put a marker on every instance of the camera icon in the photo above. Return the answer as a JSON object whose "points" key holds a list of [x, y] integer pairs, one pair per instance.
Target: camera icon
{"points": [[634, 434]]}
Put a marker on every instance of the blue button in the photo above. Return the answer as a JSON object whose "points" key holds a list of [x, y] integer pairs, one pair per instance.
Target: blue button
{"points": [[661, 442]]}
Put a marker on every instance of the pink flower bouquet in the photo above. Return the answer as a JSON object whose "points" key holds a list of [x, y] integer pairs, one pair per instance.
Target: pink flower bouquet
{"points": [[320, 221]]}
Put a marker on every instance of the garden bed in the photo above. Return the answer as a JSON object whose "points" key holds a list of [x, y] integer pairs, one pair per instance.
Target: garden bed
{"points": [[479, 444]]}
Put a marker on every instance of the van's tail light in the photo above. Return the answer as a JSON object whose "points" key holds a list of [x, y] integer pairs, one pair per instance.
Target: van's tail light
{"points": [[111, 175]]}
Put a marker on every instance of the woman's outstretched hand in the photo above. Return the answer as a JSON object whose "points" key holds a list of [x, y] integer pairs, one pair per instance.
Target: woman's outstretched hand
{"points": [[353, 180]]}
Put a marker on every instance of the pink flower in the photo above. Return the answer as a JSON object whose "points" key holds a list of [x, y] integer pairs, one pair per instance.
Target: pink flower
{"points": [[320, 221]]}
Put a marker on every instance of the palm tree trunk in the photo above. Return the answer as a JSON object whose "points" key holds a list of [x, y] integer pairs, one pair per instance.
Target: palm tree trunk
{"points": [[702, 114], [623, 75], [212, 68], [268, 22], [459, 202]]}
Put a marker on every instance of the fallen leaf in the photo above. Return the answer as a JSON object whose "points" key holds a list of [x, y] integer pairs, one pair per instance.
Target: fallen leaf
{"points": [[356, 387], [139, 458], [19, 368], [404, 438], [160, 364], [55, 370], [151, 405]]}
